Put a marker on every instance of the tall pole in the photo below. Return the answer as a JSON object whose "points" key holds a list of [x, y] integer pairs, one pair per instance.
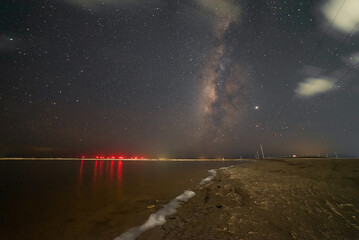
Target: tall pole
{"points": [[262, 151]]}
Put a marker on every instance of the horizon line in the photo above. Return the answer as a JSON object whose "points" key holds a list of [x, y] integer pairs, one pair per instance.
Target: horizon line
{"points": [[163, 159]]}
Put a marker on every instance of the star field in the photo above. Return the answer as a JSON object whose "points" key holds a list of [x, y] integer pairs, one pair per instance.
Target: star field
{"points": [[189, 78]]}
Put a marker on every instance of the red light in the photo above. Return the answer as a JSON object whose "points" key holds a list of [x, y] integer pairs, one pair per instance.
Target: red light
{"points": [[119, 157], [83, 157]]}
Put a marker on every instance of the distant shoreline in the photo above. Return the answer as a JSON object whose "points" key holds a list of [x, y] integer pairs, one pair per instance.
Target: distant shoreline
{"points": [[167, 160], [127, 159]]}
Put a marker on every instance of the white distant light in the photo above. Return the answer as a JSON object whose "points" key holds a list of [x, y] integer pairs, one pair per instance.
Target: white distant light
{"points": [[11, 39], [256, 107]]}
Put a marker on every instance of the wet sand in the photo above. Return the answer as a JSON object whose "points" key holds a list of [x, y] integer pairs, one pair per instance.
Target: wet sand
{"points": [[272, 199]]}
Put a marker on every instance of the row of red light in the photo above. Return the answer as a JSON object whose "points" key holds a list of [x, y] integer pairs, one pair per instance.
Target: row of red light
{"points": [[115, 157]]}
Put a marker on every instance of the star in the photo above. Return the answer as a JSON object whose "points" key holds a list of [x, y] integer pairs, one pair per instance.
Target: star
{"points": [[148, 78]]}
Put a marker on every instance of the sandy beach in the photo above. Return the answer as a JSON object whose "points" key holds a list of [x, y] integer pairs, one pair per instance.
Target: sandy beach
{"points": [[271, 199]]}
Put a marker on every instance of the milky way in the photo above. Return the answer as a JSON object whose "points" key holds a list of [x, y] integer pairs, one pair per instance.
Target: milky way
{"points": [[191, 78], [222, 81]]}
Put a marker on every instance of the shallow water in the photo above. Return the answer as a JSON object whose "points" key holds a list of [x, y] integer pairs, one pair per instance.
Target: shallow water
{"points": [[88, 199]]}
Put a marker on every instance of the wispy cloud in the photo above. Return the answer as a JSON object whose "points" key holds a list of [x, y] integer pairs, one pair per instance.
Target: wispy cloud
{"points": [[314, 86], [347, 18], [221, 8], [225, 12]]}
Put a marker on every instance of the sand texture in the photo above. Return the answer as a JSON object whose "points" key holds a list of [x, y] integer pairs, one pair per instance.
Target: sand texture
{"points": [[272, 199]]}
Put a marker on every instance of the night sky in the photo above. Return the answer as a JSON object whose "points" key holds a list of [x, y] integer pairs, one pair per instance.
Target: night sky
{"points": [[189, 78]]}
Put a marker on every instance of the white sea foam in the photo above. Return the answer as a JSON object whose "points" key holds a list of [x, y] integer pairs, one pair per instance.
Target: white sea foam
{"points": [[158, 218], [224, 168], [213, 174], [209, 178]]}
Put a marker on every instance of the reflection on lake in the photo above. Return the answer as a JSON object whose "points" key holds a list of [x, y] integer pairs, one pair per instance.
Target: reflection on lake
{"points": [[88, 199]]}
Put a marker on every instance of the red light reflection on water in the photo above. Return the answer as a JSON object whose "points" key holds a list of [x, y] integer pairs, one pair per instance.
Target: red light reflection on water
{"points": [[111, 172], [106, 167], [119, 172], [95, 172], [100, 169], [106, 173], [81, 171]]}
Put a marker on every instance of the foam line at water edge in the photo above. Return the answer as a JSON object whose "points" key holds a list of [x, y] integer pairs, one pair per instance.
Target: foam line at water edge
{"points": [[209, 178], [213, 174], [158, 218]]}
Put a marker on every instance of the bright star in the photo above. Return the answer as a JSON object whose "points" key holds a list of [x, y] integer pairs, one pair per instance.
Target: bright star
{"points": [[256, 107]]}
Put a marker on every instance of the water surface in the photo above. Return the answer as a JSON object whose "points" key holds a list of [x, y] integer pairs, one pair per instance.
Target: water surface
{"points": [[88, 199]]}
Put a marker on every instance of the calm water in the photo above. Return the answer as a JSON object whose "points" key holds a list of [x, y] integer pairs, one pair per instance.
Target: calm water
{"points": [[88, 199]]}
